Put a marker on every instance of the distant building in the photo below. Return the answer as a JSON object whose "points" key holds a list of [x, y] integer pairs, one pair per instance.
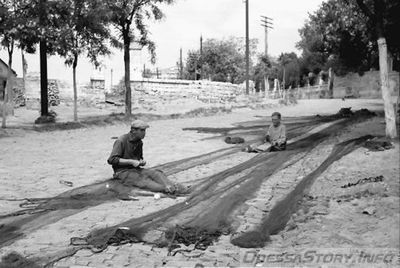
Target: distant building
{"points": [[3, 77]]}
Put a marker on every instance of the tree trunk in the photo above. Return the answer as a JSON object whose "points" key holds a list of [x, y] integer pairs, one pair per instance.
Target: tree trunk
{"points": [[75, 89], [127, 62], [24, 70], [44, 97], [390, 116]]}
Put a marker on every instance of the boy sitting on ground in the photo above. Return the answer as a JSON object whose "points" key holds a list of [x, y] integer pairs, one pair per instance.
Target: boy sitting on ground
{"points": [[276, 137]]}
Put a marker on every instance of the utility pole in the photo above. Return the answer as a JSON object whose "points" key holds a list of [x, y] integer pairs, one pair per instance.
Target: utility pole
{"points": [[247, 48], [111, 80], [201, 57], [180, 65], [266, 23]]}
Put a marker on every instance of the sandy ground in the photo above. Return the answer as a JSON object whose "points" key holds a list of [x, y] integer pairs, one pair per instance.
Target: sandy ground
{"points": [[32, 164]]}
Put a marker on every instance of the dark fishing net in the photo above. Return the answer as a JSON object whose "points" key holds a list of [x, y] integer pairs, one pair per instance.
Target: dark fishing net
{"points": [[199, 238], [363, 181], [14, 260], [208, 208], [281, 213], [379, 144]]}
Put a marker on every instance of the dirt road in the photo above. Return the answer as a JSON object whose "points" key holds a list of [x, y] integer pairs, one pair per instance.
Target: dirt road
{"points": [[32, 164]]}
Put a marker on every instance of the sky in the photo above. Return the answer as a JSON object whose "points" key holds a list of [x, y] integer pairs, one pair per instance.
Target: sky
{"points": [[184, 22]]}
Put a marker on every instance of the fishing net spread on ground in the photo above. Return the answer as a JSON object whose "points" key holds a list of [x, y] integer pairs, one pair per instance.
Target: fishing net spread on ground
{"points": [[276, 220], [207, 212], [38, 212], [202, 217]]}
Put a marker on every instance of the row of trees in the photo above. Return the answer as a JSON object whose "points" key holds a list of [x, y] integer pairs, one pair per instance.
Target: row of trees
{"points": [[224, 61], [75, 28], [341, 35]]}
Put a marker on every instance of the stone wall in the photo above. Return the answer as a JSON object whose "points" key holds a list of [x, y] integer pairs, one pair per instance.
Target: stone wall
{"points": [[167, 90], [366, 86], [18, 92], [352, 85], [62, 91]]}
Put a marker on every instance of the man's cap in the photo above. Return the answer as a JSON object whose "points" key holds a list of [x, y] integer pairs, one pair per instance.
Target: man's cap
{"points": [[139, 124]]}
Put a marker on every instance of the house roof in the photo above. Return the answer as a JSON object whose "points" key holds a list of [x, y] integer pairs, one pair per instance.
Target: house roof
{"points": [[5, 64]]}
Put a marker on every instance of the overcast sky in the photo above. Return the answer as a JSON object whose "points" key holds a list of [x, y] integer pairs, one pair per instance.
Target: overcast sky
{"points": [[182, 26]]}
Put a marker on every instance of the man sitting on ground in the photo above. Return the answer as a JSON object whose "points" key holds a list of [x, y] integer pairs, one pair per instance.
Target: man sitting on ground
{"points": [[127, 161], [275, 139]]}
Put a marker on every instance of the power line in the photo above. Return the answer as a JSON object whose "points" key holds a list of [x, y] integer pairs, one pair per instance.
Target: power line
{"points": [[267, 23]]}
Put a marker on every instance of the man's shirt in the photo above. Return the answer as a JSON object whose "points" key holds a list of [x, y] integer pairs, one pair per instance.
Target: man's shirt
{"points": [[126, 147], [277, 134]]}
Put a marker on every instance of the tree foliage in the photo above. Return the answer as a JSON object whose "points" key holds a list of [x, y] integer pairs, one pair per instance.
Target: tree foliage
{"points": [[84, 30], [289, 69], [221, 60], [339, 35]]}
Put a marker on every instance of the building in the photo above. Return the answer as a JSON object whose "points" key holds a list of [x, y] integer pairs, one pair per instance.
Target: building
{"points": [[3, 77]]}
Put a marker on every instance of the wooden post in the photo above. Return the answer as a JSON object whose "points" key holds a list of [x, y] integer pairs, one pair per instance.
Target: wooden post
{"points": [[330, 83], [266, 87]]}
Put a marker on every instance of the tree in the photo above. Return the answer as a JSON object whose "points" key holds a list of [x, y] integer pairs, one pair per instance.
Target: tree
{"points": [[10, 20], [377, 18], [343, 34], [128, 17], [339, 35], [84, 30], [290, 69], [266, 69], [222, 60], [33, 22]]}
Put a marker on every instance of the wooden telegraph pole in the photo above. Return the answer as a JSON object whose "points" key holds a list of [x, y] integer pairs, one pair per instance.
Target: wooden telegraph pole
{"points": [[201, 57], [266, 23], [247, 48], [180, 65]]}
